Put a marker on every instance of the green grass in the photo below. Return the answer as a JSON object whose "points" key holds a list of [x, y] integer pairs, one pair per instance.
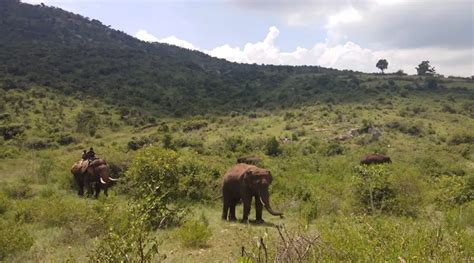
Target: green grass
{"points": [[431, 176]]}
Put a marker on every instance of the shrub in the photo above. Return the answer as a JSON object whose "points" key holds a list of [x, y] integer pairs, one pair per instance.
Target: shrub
{"points": [[8, 152], [11, 130], [132, 242], [460, 138], [334, 149], [168, 141], [65, 139], [194, 233], [233, 143], [373, 188], [4, 204], [18, 191], [272, 147], [194, 125], [154, 180], [87, 122], [44, 170], [13, 238]]}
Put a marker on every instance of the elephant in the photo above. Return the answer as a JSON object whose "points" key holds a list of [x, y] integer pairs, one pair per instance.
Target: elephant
{"points": [[95, 172], [253, 160], [241, 183], [375, 158]]}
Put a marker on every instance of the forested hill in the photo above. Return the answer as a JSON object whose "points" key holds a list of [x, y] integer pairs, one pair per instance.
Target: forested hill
{"points": [[47, 46]]}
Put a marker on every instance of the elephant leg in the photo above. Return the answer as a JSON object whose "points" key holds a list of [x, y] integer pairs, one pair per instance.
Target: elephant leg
{"points": [[97, 190], [246, 201], [258, 210], [89, 189], [106, 191], [232, 211], [225, 209], [80, 185], [225, 206]]}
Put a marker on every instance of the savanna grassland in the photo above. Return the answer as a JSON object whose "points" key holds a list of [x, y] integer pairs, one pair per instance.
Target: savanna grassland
{"points": [[170, 122], [425, 211]]}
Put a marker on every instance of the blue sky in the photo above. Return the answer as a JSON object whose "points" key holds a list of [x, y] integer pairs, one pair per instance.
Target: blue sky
{"points": [[344, 34]]}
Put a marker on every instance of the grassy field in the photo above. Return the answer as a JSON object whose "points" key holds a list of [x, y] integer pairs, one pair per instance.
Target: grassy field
{"points": [[424, 210]]}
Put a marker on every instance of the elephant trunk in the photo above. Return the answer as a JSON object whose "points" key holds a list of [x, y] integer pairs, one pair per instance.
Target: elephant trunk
{"points": [[265, 199]]}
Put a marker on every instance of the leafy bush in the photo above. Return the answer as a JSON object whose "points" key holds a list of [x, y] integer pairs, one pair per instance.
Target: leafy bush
{"points": [[334, 149], [8, 152], [154, 180], [272, 147], [87, 122], [373, 188], [194, 125], [44, 170], [13, 238], [194, 233], [460, 138], [18, 190], [11, 130], [233, 143], [4, 203], [132, 242]]}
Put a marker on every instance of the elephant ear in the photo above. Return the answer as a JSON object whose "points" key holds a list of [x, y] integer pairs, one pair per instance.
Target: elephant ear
{"points": [[248, 176]]}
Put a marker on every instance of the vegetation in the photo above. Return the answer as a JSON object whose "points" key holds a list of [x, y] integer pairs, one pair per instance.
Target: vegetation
{"points": [[310, 125], [382, 64], [425, 68]]}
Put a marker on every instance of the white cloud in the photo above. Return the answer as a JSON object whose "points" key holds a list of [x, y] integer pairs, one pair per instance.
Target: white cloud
{"points": [[172, 40], [348, 55]]}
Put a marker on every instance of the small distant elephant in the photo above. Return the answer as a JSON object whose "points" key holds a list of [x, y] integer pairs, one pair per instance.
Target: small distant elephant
{"points": [[252, 160], [375, 159], [97, 172], [242, 183]]}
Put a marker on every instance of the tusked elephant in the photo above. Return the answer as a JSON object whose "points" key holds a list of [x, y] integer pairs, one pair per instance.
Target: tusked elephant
{"points": [[97, 172], [242, 183]]}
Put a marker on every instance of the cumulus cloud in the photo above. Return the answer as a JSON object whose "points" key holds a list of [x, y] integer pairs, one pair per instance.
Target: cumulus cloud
{"points": [[348, 55], [172, 40], [380, 23]]}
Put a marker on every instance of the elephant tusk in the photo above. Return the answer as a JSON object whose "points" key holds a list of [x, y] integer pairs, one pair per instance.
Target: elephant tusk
{"points": [[102, 181], [114, 179]]}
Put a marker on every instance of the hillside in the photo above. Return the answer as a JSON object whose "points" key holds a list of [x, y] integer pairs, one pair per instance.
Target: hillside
{"points": [[73, 54], [170, 122]]}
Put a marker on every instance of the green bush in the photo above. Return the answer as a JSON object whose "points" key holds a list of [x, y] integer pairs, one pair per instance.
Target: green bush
{"points": [[87, 122], [130, 243], [194, 125], [154, 179], [374, 189], [273, 147], [44, 170], [194, 233], [460, 138], [334, 149], [18, 190], [4, 203], [13, 238]]}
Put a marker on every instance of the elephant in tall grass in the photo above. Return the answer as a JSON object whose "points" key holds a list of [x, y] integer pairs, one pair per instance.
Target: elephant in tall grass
{"points": [[94, 173], [243, 182]]}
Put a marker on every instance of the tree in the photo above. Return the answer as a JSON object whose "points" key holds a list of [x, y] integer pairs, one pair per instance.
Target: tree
{"points": [[382, 64], [425, 68]]}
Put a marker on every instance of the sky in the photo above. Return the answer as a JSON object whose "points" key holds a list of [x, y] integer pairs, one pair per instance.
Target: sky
{"points": [[342, 34]]}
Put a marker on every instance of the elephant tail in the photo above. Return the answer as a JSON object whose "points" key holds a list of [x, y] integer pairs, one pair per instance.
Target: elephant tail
{"points": [[216, 198]]}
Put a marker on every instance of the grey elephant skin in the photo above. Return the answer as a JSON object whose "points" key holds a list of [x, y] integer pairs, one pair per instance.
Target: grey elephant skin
{"points": [[244, 182]]}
